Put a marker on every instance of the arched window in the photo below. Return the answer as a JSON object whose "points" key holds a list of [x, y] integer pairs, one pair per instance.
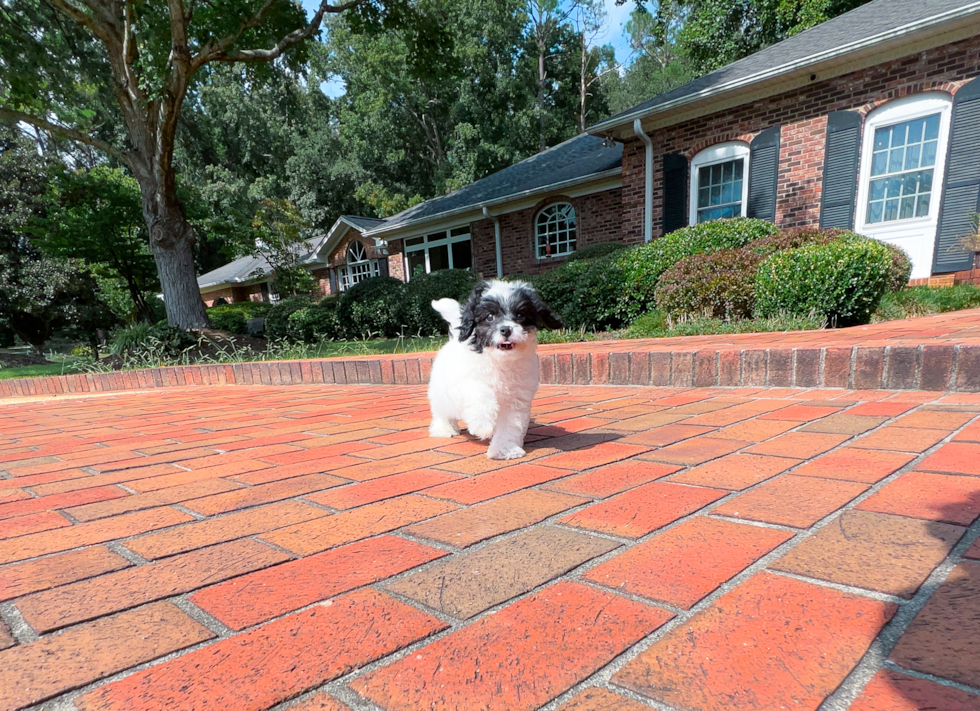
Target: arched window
{"points": [[902, 162], [554, 231], [719, 182], [358, 267]]}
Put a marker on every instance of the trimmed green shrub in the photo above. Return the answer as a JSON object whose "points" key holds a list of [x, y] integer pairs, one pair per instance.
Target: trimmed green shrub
{"points": [[842, 280], [234, 317], [142, 339], [600, 249], [721, 284], [585, 293], [277, 320], [233, 321], [900, 268], [372, 308], [643, 266], [423, 289], [313, 324], [654, 325]]}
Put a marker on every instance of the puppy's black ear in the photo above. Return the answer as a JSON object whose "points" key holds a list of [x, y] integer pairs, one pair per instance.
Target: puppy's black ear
{"points": [[546, 318], [468, 314]]}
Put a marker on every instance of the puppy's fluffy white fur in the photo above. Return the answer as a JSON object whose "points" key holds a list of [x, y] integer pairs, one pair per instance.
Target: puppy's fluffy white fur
{"points": [[487, 374]]}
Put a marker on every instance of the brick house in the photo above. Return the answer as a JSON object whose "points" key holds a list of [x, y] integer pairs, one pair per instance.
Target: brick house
{"points": [[870, 122]]}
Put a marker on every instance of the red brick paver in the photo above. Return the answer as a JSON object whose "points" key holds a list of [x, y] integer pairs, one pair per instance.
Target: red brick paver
{"points": [[255, 547]]}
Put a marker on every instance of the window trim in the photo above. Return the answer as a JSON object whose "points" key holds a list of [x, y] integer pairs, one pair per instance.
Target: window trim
{"points": [[344, 273], [718, 153], [900, 111], [537, 218], [448, 237]]}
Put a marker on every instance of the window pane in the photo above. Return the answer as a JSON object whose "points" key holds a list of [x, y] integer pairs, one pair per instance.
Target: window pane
{"points": [[929, 153], [555, 231], [922, 206], [875, 211], [932, 127], [720, 190], [896, 158], [416, 262], [438, 258], [459, 231], [907, 208], [414, 241], [462, 257]]}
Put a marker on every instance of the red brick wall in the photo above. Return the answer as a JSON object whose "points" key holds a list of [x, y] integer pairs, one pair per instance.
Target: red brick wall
{"points": [[597, 218], [802, 114]]}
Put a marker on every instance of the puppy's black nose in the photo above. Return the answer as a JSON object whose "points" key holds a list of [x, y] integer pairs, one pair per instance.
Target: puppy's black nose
{"points": [[505, 331]]}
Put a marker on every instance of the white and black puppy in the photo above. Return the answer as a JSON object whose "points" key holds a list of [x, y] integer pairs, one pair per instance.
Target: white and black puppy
{"points": [[487, 374]]}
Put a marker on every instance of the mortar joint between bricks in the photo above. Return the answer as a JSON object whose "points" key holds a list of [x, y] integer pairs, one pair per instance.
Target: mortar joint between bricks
{"points": [[853, 367], [917, 377], [953, 370], [885, 359], [820, 368]]}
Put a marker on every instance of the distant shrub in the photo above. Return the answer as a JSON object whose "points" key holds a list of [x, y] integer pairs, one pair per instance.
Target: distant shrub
{"points": [[600, 249], [842, 280], [721, 284], [316, 323], [374, 307], [900, 268], [643, 266], [585, 292], [233, 321], [277, 320], [924, 300], [423, 289]]}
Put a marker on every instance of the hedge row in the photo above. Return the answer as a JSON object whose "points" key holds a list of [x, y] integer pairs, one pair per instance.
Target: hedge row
{"points": [[381, 307]]}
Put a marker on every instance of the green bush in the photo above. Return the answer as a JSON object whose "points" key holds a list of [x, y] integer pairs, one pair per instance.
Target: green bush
{"points": [[900, 268], [313, 324], [372, 308], [419, 316], [277, 319], [722, 284], [925, 300], [600, 249], [6, 337], [842, 280], [643, 266], [585, 292], [159, 340], [233, 321]]}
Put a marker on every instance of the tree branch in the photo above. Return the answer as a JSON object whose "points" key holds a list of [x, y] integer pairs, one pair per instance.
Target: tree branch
{"points": [[293, 38], [71, 134]]}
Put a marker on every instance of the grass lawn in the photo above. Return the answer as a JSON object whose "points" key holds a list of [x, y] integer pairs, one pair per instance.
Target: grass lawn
{"points": [[34, 371]]}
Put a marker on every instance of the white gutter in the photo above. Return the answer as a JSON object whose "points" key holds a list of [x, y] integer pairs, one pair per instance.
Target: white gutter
{"points": [[647, 180], [842, 50], [611, 173], [496, 240]]}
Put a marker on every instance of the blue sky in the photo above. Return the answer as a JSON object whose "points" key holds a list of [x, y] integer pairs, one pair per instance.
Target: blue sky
{"points": [[614, 34]]}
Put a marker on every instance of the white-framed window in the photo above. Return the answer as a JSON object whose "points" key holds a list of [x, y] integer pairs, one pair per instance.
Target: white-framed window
{"points": [[719, 182], [903, 156], [358, 267], [447, 249], [555, 233]]}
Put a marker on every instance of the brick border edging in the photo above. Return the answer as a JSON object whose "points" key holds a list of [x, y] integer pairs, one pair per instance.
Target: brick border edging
{"points": [[935, 368]]}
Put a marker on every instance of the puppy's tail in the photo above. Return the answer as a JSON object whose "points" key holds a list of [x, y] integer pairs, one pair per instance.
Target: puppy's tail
{"points": [[449, 310]]}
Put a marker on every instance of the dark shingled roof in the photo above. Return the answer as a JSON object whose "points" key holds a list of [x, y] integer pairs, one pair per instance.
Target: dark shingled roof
{"points": [[362, 223], [853, 28], [576, 158]]}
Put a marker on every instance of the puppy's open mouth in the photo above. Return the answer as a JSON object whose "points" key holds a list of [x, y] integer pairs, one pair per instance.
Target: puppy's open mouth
{"points": [[505, 346]]}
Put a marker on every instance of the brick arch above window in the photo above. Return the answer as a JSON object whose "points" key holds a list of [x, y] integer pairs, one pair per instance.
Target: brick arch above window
{"points": [[717, 139], [948, 87]]}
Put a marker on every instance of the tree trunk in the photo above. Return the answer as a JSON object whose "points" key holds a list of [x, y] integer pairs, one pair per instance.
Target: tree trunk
{"points": [[542, 76], [172, 244], [583, 87]]}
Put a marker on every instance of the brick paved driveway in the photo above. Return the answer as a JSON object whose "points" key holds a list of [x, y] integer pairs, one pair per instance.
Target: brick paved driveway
{"points": [[310, 548]]}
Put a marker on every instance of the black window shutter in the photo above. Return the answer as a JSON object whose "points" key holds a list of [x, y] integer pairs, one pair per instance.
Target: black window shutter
{"points": [[961, 187], [764, 174], [840, 170], [383, 267], [675, 192]]}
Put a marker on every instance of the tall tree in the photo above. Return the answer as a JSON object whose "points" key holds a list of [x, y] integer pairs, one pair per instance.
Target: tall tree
{"points": [[78, 68], [547, 18]]}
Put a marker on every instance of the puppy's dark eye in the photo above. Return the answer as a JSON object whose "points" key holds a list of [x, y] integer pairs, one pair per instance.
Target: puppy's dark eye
{"points": [[488, 318]]}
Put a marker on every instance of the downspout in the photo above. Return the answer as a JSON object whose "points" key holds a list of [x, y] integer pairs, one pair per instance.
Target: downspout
{"points": [[496, 238], [647, 181]]}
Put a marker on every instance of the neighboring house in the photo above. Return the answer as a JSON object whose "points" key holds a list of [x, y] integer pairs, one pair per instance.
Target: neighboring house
{"points": [[870, 121], [339, 259]]}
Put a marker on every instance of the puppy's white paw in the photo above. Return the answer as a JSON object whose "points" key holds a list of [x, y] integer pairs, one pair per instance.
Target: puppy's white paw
{"points": [[443, 428], [511, 452], [480, 430]]}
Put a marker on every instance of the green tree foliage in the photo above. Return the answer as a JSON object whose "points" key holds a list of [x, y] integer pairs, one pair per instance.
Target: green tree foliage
{"points": [[279, 229], [95, 215], [80, 68]]}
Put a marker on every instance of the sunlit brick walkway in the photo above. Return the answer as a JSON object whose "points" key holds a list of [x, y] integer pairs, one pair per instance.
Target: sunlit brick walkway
{"points": [[309, 547]]}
